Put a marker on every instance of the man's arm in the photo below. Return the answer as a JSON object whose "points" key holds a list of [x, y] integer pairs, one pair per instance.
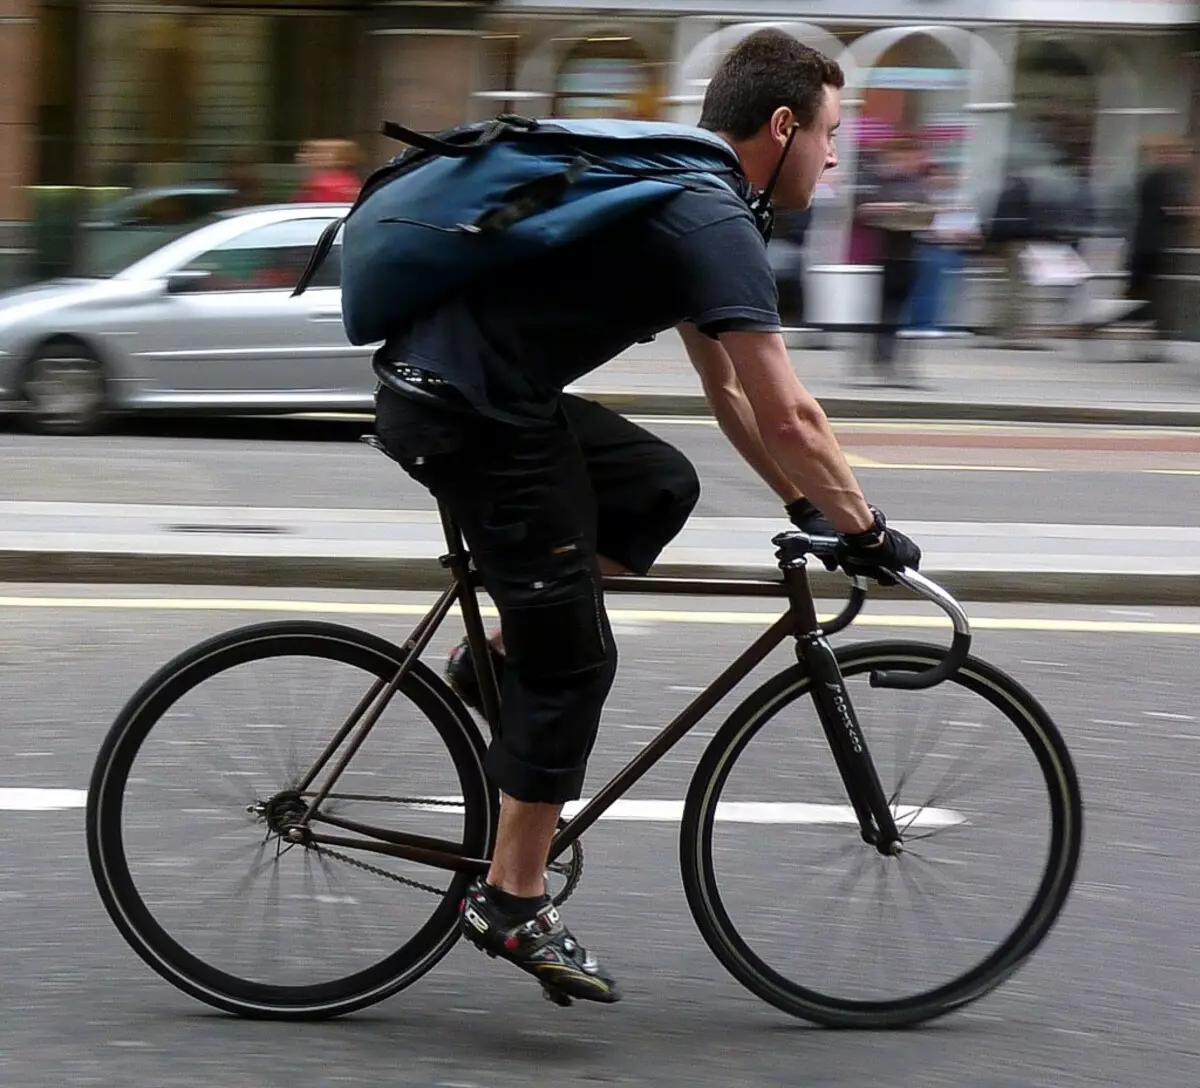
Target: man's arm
{"points": [[732, 410], [776, 424]]}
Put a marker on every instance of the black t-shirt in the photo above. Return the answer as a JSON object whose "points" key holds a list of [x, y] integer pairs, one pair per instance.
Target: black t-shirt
{"points": [[512, 344]]}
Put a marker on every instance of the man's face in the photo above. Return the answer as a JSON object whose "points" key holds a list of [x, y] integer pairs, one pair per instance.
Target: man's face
{"points": [[814, 151]]}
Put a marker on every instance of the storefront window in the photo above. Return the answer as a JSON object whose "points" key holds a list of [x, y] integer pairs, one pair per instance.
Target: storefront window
{"points": [[189, 95]]}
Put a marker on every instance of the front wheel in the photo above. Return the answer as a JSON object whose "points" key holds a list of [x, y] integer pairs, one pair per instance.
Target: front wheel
{"points": [[817, 922], [66, 392]]}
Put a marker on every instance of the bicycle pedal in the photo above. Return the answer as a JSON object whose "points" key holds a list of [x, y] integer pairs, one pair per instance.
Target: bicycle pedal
{"points": [[560, 999]]}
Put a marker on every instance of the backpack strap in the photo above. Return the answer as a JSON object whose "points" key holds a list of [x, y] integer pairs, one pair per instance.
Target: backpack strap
{"points": [[436, 145], [528, 199], [318, 255], [431, 144]]}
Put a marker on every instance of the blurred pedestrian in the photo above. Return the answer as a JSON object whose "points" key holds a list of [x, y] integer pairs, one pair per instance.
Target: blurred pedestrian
{"points": [[1012, 228], [332, 172], [940, 252], [1160, 213], [898, 208]]}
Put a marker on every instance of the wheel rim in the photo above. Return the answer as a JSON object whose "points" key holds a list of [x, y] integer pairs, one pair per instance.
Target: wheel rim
{"points": [[762, 950], [189, 955], [65, 388]]}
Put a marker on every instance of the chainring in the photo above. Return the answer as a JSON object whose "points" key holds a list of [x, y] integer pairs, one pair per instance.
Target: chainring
{"points": [[567, 869]]}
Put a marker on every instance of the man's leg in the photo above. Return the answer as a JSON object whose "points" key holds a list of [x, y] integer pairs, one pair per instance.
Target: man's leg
{"points": [[524, 504], [645, 491]]}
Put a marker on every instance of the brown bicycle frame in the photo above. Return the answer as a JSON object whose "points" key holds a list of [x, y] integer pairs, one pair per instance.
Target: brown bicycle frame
{"points": [[800, 621]]}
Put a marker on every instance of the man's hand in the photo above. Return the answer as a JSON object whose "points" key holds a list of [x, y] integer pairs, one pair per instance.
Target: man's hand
{"points": [[861, 553], [877, 550], [808, 519]]}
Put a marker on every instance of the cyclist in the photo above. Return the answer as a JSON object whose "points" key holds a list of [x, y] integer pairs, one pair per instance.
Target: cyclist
{"points": [[552, 491]]}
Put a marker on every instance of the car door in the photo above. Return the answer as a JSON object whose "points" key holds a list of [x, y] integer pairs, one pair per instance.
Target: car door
{"points": [[229, 329]]}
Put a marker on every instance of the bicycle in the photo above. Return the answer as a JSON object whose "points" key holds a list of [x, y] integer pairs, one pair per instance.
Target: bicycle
{"points": [[305, 822]]}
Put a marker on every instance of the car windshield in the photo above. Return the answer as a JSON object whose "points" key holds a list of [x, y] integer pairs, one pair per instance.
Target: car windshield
{"points": [[106, 251]]}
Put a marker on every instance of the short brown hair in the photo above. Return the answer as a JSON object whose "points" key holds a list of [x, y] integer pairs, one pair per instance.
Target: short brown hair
{"points": [[764, 71]]}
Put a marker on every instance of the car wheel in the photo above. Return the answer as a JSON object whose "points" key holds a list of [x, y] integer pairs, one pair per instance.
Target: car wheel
{"points": [[64, 388]]}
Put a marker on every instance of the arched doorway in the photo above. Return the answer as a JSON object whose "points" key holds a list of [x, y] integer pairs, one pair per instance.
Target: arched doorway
{"points": [[595, 69], [606, 76]]}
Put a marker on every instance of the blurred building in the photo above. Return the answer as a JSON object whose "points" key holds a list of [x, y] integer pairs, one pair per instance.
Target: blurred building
{"points": [[136, 93], [1063, 89]]}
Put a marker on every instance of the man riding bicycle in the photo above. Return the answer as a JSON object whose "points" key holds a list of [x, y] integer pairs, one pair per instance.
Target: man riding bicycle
{"points": [[553, 491]]}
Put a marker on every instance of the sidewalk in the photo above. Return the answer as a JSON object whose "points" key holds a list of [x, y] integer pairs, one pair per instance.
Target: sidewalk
{"points": [[1073, 382], [398, 550]]}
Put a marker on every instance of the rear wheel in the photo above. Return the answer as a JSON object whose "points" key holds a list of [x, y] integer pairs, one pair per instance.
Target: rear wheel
{"points": [[198, 779], [815, 921]]}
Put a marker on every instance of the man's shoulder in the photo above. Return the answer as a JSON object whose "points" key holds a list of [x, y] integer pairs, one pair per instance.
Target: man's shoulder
{"points": [[695, 208]]}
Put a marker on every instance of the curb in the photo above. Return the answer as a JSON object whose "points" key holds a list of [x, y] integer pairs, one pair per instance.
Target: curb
{"points": [[843, 408], [1130, 588]]}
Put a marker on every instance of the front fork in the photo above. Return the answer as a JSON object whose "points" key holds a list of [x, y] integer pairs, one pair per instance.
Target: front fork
{"points": [[848, 744], [838, 719]]}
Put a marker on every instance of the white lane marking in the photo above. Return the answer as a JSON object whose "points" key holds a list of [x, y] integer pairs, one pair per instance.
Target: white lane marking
{"points": [[28, 799], [746, 812]]}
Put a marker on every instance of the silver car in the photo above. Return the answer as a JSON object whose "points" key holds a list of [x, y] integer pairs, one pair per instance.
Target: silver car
{"points": [[203, 322]]}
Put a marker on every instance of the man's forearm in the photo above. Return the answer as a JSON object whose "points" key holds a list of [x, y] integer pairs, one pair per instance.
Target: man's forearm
{"points": [[783, 463], [736, 420], [809, 453], [808, 464]]}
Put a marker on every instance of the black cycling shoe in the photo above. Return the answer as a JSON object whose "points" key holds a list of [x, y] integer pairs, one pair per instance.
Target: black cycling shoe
{"points": [[541, 946], [460, 674]]}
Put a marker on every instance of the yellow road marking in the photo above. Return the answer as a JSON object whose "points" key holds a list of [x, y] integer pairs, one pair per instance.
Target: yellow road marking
{"points": [[707, 617], [857, 460]]}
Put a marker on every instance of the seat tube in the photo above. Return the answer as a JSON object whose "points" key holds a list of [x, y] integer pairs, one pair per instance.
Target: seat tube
{"points": [[458, 560]]}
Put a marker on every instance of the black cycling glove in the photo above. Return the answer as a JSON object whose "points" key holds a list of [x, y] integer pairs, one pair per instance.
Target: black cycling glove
{"points": [[878, 549], [808, 519], [866, 553]]}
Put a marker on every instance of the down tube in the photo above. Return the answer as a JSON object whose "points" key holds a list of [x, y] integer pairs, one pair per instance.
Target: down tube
{"points": [[699, 708]]}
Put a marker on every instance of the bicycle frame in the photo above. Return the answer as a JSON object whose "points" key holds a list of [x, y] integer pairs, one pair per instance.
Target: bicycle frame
{"points": [[830, 697]]}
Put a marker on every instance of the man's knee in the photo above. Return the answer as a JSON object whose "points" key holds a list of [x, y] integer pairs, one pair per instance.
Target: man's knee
{"points": [[677, 487]]}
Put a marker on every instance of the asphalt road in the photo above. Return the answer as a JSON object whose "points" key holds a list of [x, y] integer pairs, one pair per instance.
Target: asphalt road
{"points": [[916, 472], [1112, 998]]}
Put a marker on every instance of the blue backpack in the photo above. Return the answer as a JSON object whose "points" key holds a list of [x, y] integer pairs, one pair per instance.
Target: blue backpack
{"points": [[459, 206]]}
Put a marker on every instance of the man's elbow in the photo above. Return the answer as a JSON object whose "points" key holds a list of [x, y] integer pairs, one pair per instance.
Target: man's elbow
{"points": [[799, 428]]}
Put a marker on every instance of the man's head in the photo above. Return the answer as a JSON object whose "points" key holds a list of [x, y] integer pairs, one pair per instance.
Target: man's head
{"points": [[768, 84]]}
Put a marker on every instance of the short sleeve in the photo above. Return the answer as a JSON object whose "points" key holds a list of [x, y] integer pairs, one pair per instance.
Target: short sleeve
{"points": [[725, 279]]}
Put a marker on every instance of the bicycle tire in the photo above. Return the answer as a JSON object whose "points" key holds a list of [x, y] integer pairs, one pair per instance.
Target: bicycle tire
{"points": [[696, 845], [109, 864]]}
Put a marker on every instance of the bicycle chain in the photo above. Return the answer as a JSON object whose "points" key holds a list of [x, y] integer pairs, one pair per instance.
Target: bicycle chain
{"points": [[367, 867], [571, 870], [374, 869]]}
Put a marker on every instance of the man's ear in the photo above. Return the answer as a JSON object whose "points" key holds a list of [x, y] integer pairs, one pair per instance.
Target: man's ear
{"points": [[781, 123]]}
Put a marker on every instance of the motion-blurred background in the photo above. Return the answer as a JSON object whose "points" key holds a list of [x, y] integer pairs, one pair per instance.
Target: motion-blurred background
{"points": [[178, 108]]}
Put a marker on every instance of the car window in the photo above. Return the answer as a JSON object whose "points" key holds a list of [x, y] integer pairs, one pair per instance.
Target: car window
{"points": [[267, 258]]}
